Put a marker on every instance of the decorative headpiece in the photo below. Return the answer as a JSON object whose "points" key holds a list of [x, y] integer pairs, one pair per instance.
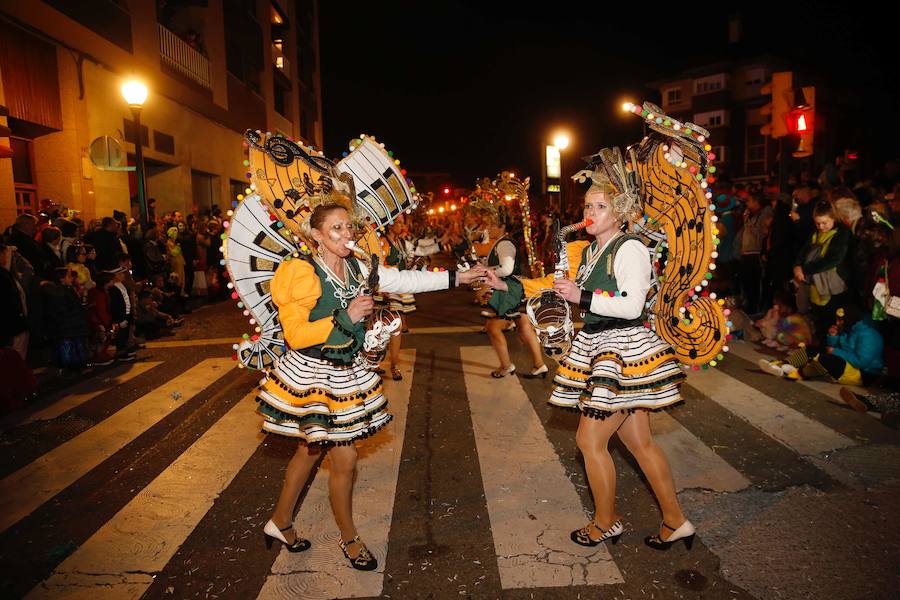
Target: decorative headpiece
{"points": [[609, 173], [292, 180]]}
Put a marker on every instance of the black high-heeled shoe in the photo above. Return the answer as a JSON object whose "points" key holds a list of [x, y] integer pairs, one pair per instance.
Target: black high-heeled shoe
{"points": [[272, 532], [364, 561], [685, 532], [582, 536]]}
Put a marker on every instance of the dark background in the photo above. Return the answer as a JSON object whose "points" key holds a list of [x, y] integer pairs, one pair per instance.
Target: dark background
{"points": [[471, 88]]}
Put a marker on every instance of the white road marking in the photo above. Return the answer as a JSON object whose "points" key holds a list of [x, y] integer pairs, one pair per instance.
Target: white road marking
{"points": [[26, 489], [693, 463], [531, 502], [779, 421], [748, 352], [322, 571], [121, 560], [90, 389]]}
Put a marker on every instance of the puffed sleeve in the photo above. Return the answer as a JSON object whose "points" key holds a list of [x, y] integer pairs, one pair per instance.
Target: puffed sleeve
{"points": [[633, 273], [394, 281], [295, 291]]}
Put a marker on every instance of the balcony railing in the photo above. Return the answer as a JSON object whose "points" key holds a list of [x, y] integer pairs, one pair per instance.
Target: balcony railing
{"points": [[177, 54]]}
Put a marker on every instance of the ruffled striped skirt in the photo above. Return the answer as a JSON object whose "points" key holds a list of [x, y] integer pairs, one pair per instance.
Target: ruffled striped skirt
{"points": [[321, 403], [401, 303], [617, 369]]}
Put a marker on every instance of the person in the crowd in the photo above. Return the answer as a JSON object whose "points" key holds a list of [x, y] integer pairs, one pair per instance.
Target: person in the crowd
{"points": [[756, 220], [187, 241], [853, 355], [65, 322], [69, 231], [822, 266], [103, 330], [781, 326], [106, 242], [22, 236], [121, 311], [75, 262], [14, 320], [155, 261], [176, 259], [51, 241]]}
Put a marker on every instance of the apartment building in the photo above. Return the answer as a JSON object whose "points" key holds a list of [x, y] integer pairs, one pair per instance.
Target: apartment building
{"points": [[213, 69], [725, 98]]}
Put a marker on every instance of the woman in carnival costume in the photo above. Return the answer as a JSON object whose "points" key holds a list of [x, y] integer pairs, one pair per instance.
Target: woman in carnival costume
{"points": [[394, 250], [319, 390], [617, 370], [503, 258]]}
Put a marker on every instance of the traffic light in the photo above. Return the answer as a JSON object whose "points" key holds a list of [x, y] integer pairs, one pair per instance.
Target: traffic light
{"points": [[446, 191], [780, 106], [802, 120]]}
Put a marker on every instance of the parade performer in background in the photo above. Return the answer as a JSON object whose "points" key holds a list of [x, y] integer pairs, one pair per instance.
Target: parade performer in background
{"points": [[503, 258], [317, 387], [396, 255], [617, 369]]}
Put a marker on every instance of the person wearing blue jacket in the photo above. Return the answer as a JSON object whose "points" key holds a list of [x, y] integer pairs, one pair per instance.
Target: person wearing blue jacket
{"points": [[852, 356], [849, 358]]}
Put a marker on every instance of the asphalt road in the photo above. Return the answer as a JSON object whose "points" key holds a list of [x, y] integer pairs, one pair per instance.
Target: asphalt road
{"points": [[151, 480]]}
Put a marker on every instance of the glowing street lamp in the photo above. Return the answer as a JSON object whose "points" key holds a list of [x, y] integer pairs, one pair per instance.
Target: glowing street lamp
{"points": [[135, 94], [561, 141]]}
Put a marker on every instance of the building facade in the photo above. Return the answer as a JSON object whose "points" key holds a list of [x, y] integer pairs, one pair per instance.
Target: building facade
{"points": [[726, 98], [214, 68]]}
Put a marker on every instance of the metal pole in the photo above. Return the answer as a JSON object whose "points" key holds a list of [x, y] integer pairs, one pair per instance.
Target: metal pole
{"points": [[139, 165], [562, 182]]}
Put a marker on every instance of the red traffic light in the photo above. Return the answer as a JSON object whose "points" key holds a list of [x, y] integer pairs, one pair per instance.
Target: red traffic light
{"points": [[446, 191], [801, 123], [798, 121]]}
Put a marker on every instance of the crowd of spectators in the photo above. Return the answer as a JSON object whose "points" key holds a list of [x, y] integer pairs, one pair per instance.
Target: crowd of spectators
{"points": [[78, 294], [814, 267]]}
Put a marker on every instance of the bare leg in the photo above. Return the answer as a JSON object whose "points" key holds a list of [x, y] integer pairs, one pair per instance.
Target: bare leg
{"points": [[340, 488], [529, 338], [393, 354], [296, 476], [592, 438], [498, 341], [635, 434]]}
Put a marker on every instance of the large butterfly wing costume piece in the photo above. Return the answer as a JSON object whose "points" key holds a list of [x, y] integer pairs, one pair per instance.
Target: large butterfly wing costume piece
{"points": [[288, 180]]}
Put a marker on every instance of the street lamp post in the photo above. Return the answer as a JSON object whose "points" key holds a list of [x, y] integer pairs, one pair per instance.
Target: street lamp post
{"points": [[135, 94], [561, 141]]}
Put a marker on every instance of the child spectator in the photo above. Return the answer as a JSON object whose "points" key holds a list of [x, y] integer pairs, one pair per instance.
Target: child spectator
{"points": [[65, 322]]}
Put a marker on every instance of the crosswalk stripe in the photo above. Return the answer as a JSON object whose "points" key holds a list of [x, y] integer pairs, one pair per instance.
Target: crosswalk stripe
{"points": [[91, 389], [322, 571], [531, 503], [694, 465], [779, 421], [747, 352], [120, 560], [24, 490]]}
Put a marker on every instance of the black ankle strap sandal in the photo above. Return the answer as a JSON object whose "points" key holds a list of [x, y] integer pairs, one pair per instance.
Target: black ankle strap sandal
{"points": [[364, 560]]}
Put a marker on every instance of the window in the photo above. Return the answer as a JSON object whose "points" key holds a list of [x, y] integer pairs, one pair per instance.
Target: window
{"points": [[719, 152], [673, 96], [706, 85], [755, 76], [756, 153], [715, 118]]}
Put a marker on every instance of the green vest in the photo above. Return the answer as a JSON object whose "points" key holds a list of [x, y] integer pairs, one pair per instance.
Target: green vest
{"points": [[394, 257], [602, 277], [328, 302], [493, 259]]}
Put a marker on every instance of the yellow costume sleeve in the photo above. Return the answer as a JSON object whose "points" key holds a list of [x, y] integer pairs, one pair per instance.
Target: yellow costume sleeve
{"points": [[534, 286], [295, 291]]}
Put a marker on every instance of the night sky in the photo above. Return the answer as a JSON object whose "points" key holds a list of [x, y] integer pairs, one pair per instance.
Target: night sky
{"points": [[471, 88]]}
